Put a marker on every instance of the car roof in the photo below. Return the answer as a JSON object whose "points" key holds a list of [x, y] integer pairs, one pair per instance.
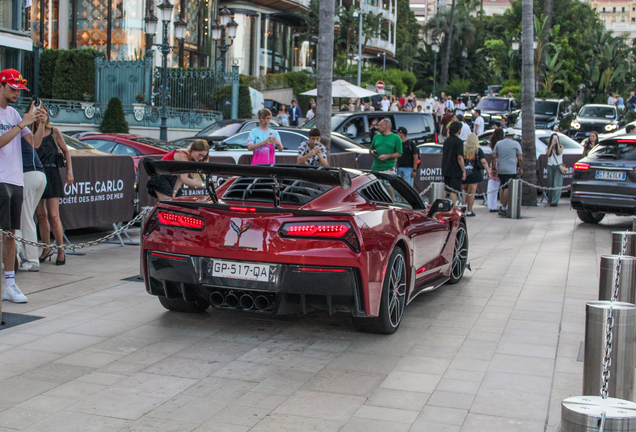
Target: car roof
{"points": [[496, 97], [549, 100], [598, 106]]}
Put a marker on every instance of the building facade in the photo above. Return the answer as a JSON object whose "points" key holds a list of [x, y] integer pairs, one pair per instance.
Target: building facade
{"points": [[14, 40], [618, 16]]}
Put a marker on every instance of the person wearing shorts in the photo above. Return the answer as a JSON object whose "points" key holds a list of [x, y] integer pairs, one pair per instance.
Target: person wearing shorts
{"points": [[508, 158], [12, 129]]}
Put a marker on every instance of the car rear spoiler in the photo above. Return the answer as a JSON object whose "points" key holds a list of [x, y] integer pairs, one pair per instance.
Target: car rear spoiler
{"points": [[331, 176]]}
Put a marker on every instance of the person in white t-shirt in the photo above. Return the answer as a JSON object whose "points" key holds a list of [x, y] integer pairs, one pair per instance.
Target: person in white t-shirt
{"points": [[385, 104], [479, 122], [463, 134], [429, 102], [460, 107], [610, 99], [12, 129]]}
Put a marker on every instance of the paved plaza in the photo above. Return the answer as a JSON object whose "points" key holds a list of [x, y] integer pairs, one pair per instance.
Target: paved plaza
{"points": [[497, 352]]}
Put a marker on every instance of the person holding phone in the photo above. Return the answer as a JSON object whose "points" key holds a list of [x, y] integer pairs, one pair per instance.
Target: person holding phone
{"points": [[386, 148], [264, 141], [12, 129]]}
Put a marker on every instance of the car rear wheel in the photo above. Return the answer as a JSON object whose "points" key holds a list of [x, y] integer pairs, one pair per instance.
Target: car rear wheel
{"points": [[393, 299], [460, 254], [590, 217], [180, 305]]}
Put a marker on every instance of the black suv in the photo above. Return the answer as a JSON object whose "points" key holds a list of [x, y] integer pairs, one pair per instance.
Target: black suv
{"points": [[605, 181], [493, 109], [548, 112], [355, 125], [599, 118]]}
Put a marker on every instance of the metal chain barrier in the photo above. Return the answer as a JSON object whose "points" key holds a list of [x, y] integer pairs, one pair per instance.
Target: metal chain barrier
{"points": [[80, 245], [541, 188], [426, 190]]}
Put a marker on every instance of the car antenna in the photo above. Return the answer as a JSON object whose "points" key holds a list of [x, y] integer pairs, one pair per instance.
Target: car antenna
{"points": [[276, 191], [209, 186]]}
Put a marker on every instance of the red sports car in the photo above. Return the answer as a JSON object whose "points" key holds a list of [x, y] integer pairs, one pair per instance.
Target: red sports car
{"points": [[135, 146], [286, 239]]}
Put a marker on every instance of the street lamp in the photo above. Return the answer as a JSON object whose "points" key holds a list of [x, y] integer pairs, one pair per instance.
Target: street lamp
{"points": [[465, 56], [383, 61], [435, 47], [357, 14], [225, 26], [515, 44], [165, 13]]}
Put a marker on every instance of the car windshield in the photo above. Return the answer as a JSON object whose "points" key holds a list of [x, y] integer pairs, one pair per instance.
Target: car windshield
{"points": [[546, 108], [221, 130], [493, 104], [566, 141], [164, 145], [76, 144], [430, 149], [621, 149], [598, 112]]}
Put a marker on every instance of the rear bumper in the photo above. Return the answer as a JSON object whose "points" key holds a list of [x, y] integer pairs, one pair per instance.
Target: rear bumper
{"points": [[603, 202], [291, 288]]}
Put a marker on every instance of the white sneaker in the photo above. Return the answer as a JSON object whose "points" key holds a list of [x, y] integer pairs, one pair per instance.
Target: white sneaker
{"points": [[13, 293], [27, 266]]}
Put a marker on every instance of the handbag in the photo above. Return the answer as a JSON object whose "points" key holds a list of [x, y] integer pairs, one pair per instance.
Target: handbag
{"points": [[561, 166], [60, 159]]}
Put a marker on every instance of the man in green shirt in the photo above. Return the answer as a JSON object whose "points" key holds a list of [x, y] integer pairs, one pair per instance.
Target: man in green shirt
{"points": [[386, 147]]}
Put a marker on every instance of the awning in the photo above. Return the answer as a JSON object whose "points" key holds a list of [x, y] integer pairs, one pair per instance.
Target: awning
{"points": [[16, 40]]}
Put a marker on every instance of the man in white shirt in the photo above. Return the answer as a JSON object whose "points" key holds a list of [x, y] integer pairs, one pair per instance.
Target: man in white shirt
{"points": [[463, 134], [449, 103], [610, 99], [351, 130], [429, 103], [479, 122], [460, 108], [386, 103]]}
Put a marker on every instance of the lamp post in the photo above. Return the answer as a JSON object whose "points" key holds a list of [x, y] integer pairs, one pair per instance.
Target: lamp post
{"points": [[165, 11], [435, 47], [465, 56], [225, 26], [357, 14], [384, 61]]}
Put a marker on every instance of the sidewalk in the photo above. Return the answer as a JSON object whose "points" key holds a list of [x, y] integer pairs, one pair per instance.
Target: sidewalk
{"points": [[497, 352]]}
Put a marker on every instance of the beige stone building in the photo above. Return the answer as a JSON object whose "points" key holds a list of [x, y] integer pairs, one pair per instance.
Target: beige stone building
{"points": [[617, 15]]}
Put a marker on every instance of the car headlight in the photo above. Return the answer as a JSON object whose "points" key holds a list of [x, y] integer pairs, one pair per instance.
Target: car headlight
{"points": [[610, 127], [468, 115], [576, 125], [497, 117]]}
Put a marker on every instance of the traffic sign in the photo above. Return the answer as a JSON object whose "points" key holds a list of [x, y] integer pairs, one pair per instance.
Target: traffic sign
{"points": [[379, 85]]}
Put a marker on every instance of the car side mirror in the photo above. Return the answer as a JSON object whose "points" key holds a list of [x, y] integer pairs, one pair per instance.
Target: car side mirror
{"points": [[441, 205]]}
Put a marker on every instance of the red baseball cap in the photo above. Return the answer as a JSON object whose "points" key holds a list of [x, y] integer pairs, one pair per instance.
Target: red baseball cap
{"points": [[13, 78]]}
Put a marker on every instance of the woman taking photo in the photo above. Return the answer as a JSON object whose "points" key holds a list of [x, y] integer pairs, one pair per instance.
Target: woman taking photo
{"points": [[589, 143], [475, 163], [555, 176], [166, 187], [283, 116], [493, 179], [53, 154], [264, 141]]}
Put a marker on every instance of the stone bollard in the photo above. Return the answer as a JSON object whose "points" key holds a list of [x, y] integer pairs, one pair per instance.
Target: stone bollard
{"points": [[514, 199], [623, 353], [607, 279], [618, 237], [438, 191], [586, 413]]}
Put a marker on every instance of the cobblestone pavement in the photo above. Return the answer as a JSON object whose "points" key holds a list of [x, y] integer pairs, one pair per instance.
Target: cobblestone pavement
{"points": [[497, 352]]}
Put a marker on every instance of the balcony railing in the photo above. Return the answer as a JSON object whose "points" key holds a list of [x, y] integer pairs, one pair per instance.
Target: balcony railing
{"points": [[382, 44], [376, 10]]}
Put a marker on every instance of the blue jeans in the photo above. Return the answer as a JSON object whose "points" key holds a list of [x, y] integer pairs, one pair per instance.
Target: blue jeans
{"points": [[405, 173]]}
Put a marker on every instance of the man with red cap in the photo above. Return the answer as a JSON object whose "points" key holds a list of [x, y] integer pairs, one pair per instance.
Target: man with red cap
{"points": [[12, 129]]}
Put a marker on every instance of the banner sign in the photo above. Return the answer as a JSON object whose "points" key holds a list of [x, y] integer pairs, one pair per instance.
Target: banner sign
{"points": [[103, 192], [568, 160]]}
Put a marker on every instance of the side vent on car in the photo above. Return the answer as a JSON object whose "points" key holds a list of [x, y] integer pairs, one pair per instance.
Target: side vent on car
{"points": [[375, 192]]}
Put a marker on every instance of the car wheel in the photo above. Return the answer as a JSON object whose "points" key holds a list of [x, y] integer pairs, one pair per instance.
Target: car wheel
{"points": [[393, 299], [460, 254], [590, 217], [180, 305]]}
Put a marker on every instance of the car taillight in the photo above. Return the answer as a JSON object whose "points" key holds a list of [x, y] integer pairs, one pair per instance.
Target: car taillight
{"points": [[326, 230], [243, 209], [581, 166], [180, 220]]}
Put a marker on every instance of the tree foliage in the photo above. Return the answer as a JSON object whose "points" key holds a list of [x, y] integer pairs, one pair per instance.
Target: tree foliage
{"points": [[114, 120]]}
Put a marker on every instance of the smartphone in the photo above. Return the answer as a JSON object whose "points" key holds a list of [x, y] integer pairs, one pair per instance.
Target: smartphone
{"points": [[36, 102]]}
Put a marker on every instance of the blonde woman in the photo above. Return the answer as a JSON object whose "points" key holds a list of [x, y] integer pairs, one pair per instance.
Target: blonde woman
{"points": [[475, 163]]}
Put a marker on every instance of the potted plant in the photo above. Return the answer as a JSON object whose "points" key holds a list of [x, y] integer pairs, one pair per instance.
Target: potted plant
{"points": [[140, 97], [87, 97]]}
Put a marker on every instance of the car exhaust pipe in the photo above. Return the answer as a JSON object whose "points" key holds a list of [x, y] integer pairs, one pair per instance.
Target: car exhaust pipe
{"points": [[231, 301], [246, 301], [262, 303], [217, 299]]}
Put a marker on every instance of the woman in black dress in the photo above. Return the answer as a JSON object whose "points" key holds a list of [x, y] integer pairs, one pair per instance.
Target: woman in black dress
{"points": [[48, 210]]}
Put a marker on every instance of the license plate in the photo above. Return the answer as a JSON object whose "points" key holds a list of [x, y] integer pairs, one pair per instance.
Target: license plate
{"points": [[610, 175], [241, 270]]}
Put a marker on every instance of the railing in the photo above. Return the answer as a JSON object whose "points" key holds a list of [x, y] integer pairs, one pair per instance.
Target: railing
{"points": [[377, 10], [381, 44], [91, 113], [187, 88]]}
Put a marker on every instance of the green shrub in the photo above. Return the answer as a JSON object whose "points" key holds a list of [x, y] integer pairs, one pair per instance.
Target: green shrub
{"points": [[114, 120], [48, 60], [224, 100], [74, 74], [457, 87], [630, 116], [514, 89]]}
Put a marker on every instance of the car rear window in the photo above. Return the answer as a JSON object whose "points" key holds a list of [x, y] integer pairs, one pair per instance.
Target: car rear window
{"points": [[165, 145], [619, 149], [262, 189], [566, 141], [413, 123], [493, 104]]}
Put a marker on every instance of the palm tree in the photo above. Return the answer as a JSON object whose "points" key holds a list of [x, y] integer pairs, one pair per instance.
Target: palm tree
{"points": [[446, 55], [324, 76], [527, 104], [547, 27]]}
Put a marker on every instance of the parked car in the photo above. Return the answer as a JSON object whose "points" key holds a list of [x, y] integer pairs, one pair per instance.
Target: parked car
{"points": [[130, 145], [358, 242], [493, 109], [496, 89], [431, 148], [599, 118], [78, 148], [621, 131], [224, 129], [541, 142], [605, 181], [421, 126], [80, 133], [548, 112]]}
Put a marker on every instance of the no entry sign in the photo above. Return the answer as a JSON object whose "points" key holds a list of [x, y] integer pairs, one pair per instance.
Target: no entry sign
{"points": [[379, 85]]}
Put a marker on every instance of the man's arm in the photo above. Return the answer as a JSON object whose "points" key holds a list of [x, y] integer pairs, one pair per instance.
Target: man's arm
{"points": [[460, 159], [390, 156], [520, 163]]}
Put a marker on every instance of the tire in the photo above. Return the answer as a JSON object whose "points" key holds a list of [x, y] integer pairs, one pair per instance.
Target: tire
{"points": [[180, 305], [460, 254], [590, 217], [393, 299]]}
